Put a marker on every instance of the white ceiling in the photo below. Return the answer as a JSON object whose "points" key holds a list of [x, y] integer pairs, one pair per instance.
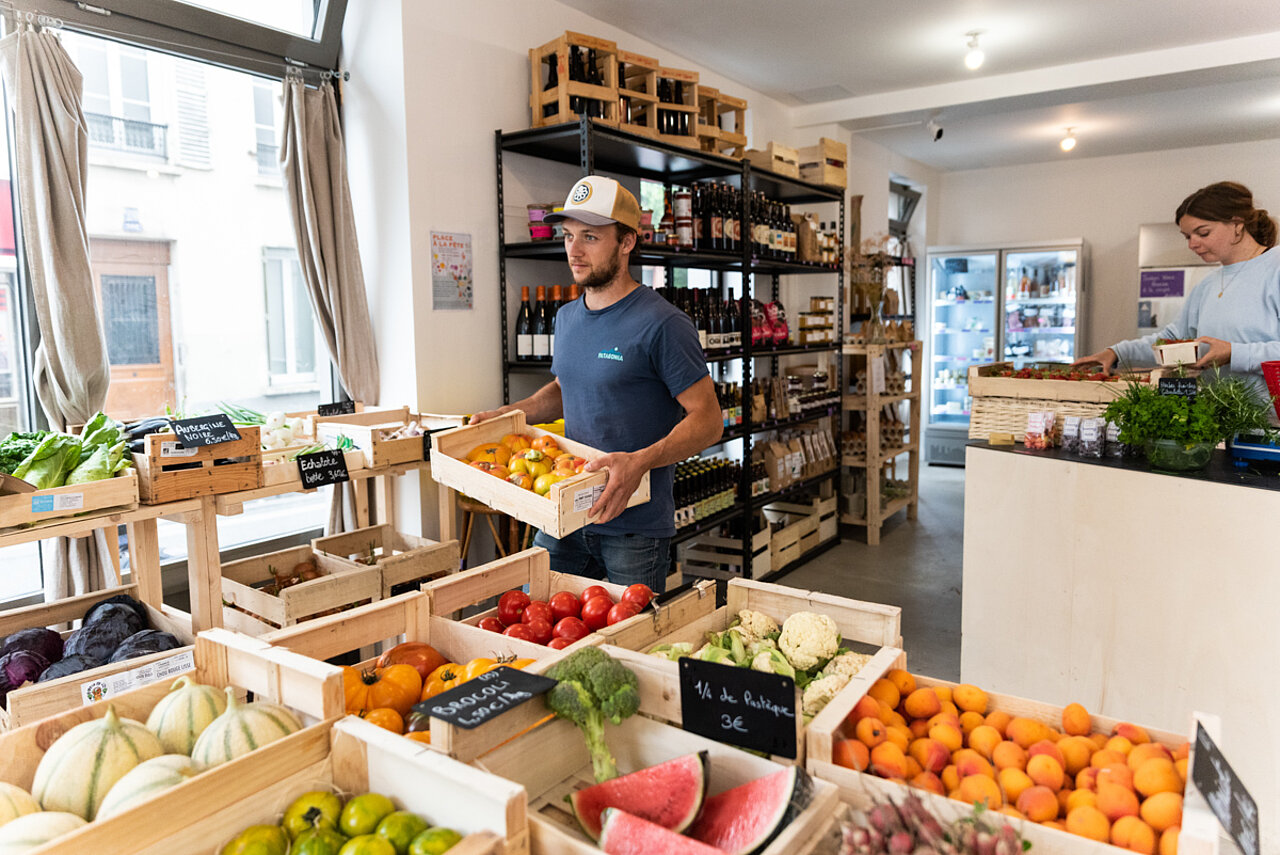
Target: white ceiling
{"points": [[1129, 75]]}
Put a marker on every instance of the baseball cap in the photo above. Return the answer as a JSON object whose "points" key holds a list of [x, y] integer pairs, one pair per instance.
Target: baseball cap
{"points": [[598, 201]]}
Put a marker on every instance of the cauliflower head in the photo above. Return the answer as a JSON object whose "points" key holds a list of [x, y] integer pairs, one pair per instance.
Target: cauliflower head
{"points": [[847, 664], [820, 692], [756, 626], [809, 639]]}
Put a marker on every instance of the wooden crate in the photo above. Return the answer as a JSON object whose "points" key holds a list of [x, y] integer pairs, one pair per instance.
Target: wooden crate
{"points": [[818, 518], [687, 105], [561, 511], [861, 790], [40, 700], [557, 51], [367, 430], [401, 559], [31, 508], [552, 761], [716, 557], [278, 470], [166, 474], [784, 546], [249, 609], [714, 136], [638, 86], [825, 163], [775, 157], [1002, 404]]}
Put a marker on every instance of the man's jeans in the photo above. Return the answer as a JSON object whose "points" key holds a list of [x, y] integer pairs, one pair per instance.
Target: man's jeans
{"points": [[622, 559]]}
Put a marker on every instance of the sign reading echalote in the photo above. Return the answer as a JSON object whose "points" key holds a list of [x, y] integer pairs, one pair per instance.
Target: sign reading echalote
{"points": [[491, 694], [337, 408], [1184, 386], [322, 467], [1225, 793], [205, 430], [750, 709]]}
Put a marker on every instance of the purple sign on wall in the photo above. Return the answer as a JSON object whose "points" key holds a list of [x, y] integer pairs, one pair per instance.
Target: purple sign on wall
{"points": [[1162, 283]]}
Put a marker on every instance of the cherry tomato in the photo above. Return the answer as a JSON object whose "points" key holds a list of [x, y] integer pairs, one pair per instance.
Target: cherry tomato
{"points": [[595, 612], [639, 593], [559, 643], [621, 611], [537, 610], [595, 591], [540, 628], [521, 631], [571, 628], [564, 604], [491, 623], [511, 606]]}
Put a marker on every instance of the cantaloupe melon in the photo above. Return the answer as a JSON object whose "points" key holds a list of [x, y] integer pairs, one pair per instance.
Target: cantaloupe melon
{"points": [[146, 780], [240, 729], [15, 802], [30, 832], [183, 714]]}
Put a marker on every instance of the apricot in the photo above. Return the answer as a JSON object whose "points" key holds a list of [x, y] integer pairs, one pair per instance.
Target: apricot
{"points": [[922, 703], [1157, 775], [969, 698], [1116, 801], [931, 754], [1075, 798], [1038, 803], [950, 707], [1133, 834], [969, 721], [888, 761], [1048, 748], [899, 736], [885, 691], [1009, 755], [948, 734], [1063, 795], [1162, 811], [950, 778], [1181, 765], [1013, 782], [902, 679], [1182, 751], [1133, 732], [1076, 751], [1046, 771], [1055, 823], [851, 753], [1054, 735], [929, 781], [919, 728], [1026, 732], [1169, 841], [1120, 744], [866, 707], [980, 788], [999, 719], [1146, 751], [984, 738], [1075, 720], [893, 718], [1010, 810], [973, 763], [1088, 821], [945, 718], [913, 768], [871, 732], [1087, 779], [1106, 757], [943, 693], [1116, 774]]}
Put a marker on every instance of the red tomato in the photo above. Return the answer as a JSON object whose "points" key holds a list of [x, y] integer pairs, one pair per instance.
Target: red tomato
{"points": [[621, 611], [491, 623], [571, 628], [537, 610], [595, 612], [541, 630], [638, 594], [564, 604], [595, 591], [511, 606], [559, 643], [522, 631]]}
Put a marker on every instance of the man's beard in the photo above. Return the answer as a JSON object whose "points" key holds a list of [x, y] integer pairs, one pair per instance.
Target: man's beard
{"points": [[601, 277]]}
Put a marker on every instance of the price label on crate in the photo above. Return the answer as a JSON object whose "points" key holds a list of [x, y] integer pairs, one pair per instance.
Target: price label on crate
{"points": [[337, 408], [205, 430], [322, 467], [1183, 386], [1222, 788], [93, 691], [491, 694], [750, 709]]}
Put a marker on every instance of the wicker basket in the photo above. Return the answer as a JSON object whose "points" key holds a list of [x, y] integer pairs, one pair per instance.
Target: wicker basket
{"points": [[1009, 415], [1002, 404]]}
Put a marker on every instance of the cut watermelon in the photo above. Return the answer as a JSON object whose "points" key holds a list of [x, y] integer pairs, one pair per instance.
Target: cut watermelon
{"points": [[744, 820], [625, 834], [668, 794]]}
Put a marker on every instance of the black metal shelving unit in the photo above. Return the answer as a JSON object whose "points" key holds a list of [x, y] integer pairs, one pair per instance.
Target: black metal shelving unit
{"points": [[597, 148]]}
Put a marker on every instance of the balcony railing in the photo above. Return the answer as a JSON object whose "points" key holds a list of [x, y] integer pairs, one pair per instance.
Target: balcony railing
{"points": [[128, 135]]}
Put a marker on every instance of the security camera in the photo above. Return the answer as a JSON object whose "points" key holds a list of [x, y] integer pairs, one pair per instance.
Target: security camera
{"points": [[934, 129]]}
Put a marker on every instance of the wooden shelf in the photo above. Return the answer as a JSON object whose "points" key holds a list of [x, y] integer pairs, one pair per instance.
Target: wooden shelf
{"points": [[859, 402], [885, 456], [888, 511], [861, 349]]}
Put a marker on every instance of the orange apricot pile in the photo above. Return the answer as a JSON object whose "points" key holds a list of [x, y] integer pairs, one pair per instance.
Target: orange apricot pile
{"points": [[531, 463], [1119, 788]]}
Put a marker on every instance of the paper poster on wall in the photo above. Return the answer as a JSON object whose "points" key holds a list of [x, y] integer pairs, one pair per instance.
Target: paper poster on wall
{"points": [[451, 271]]}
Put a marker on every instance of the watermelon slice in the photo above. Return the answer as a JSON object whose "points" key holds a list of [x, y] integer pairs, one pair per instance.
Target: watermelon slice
{"points": [[744, 820], [625, 834], [668, 794]]}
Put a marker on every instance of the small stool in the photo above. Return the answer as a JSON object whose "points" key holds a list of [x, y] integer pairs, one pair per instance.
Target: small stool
{"points": [[470, 509]]}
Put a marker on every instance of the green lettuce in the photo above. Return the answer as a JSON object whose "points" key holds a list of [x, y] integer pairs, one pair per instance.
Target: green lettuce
{"points": [[102, 463], [49, 463], [15, 447]]}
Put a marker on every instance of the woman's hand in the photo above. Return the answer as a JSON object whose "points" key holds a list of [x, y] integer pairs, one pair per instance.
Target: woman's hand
{"points": [[1105, 357], [1219, 352]]}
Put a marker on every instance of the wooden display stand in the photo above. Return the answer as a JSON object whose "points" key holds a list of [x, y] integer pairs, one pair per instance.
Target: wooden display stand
{"points": [[688, 104], [557, 51], [638, 90], [166, 472], [32, 506], [712, 135]]}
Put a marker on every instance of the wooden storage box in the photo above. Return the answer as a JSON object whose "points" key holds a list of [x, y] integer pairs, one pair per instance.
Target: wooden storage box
{"points": [[557, 97], [278, 470], [562, 510], [368, 431], [247, 608], [716, 557], [1002, 404], [400, 559], [40, 700], [637, 93], [825, 163], [776, 157], [819, 516], [784, 545], [36, 506], [686, 105], [168, 472]]}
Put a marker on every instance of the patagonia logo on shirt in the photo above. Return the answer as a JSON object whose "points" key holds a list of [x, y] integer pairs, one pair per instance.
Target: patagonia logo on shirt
{"points": [[612, 353]]}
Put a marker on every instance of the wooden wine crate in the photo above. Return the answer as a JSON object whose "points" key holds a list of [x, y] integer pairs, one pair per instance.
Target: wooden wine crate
{"points": [[687, 105], [817, 519], [561, 511], [247, 608], [776, 157], [368, 429], [40, 700], [400, 559], [638, 85], [717, 557], [861, 790], [552, 761], [557, 51], [33, 506], [825, 163], [168, 472], [713, 106]]}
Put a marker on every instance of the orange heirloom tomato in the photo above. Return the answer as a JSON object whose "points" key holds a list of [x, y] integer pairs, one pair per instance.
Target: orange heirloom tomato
{"points": [[519, 664], [386, 718], [423, 736], [544, 442], [476, 667], [516, 442], [442, 679], [396, 686], [490, 452]]}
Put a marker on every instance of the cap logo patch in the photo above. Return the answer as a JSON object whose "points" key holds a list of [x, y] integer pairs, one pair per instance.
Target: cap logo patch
{"points": [[581, 193]]}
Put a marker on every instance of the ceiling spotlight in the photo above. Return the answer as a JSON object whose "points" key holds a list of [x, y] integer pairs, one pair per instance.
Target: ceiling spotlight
{"points": [[934, 129], [1069, 141], [973, 59]]}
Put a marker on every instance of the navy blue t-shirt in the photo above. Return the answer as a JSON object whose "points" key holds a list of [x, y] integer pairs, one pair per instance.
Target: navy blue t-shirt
{"points": [[620, 369]]}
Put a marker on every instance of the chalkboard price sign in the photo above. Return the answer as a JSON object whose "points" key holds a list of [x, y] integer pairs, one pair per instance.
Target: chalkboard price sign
{"points": [[491, 694], [322, 467], [750, 709], [1222, 788], [337, 408], [205, 430], [1184, 386]]}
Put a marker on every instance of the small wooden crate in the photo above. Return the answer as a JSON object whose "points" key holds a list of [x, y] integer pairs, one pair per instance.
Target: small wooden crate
{"points": [[716, 557], [552, 761], [713, 106], [249, 609], [278, 470], [825, 163], [784, 546], [819, 518], [1002, 404], [561, 511], [776, 157], [557, 51], [638, 86], [367, 430], [400, 559], [24, 509], [40, 700], [166, 472], [688, 105]]}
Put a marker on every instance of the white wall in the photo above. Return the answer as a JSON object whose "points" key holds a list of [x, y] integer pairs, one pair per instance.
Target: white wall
{"points": [[1104, 200]]}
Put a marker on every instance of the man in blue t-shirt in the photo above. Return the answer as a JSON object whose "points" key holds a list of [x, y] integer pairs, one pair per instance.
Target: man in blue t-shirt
{"points": [[630, 380]]}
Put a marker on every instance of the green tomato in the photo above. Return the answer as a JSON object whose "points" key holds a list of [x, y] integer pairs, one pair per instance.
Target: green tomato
{"points": [[367, 844], [318, 841], [362, 814], [316, 809], [434, 841], [400, 827], [259, 840]]}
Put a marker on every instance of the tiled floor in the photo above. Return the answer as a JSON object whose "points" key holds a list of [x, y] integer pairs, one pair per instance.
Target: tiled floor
{"points": [[917, 566]]}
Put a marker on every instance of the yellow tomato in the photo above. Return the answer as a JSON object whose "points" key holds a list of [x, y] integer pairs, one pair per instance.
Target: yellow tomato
{"points": [[518, 465], [533, 455], [476, 667], [539, 468], [542, 484], [523, 480], [519, 664]]}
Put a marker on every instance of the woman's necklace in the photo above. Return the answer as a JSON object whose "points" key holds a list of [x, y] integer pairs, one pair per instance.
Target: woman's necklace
{"points": [[1236, 272]]}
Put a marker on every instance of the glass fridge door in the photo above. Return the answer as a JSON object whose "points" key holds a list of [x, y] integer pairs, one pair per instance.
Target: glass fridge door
{"points": [[963, 292], [1040, 305]]}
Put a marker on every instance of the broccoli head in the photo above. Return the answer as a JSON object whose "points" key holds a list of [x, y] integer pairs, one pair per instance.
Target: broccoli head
{"points": [[592, 687]]}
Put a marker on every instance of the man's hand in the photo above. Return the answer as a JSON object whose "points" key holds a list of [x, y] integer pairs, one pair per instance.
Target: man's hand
{"points": [[1219, 352], [486, 415], [625, 471]]}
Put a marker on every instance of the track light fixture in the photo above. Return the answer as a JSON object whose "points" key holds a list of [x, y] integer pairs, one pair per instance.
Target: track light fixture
{"points": [[1069, 141], [973, 59], [934, 129]]}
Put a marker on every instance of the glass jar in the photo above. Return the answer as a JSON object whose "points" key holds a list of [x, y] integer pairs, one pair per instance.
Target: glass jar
{"points": [[1173, 456]]}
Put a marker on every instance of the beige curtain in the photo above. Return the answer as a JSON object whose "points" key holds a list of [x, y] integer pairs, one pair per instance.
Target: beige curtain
{"points": [[313, 161], [71, 371]]}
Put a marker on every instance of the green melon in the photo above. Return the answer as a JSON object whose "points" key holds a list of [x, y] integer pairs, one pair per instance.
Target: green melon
{"points": [[30, 832], [146, 780], [183, 714], [668, 794], [240, 729], [15, 802]]}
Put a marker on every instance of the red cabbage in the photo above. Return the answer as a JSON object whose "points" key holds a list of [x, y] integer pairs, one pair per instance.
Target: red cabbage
{"points": [[73, 664], [100, 638], [116, 611], [144, 642], [18, 667], [40, 640], [119, 599]]}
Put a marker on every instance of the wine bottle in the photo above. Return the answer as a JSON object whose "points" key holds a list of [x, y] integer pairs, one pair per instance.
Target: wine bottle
{"points": [[524, 328], [541, 335], [716, 217], [557, 299]]}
